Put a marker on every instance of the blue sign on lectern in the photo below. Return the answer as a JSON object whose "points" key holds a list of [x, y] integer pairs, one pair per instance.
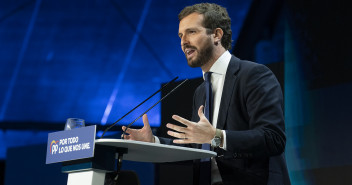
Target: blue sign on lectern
{"points": [[70, 144]]}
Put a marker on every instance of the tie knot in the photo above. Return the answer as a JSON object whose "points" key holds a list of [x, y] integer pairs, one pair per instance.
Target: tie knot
{"points": [[207, 76]]}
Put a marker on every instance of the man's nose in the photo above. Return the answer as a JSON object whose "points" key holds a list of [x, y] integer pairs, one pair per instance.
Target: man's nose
{"points": [[184, 41]]}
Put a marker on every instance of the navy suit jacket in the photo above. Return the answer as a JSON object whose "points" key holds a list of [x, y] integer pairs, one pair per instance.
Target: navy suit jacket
{"points": [[251, 113]]}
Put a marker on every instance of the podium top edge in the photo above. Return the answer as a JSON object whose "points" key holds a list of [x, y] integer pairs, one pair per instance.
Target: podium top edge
{"points": [[111, 141]]}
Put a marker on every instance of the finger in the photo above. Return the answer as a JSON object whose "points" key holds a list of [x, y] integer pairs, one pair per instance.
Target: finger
{"points": [[176, 134], [176, 128], [145, 120], [201, 112], [129, 130], [182, 141], [124, 129], [181, 120], [127, 137]]}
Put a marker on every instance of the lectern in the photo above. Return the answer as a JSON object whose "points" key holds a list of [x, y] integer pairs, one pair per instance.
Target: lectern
{"points": [[105, 155]]}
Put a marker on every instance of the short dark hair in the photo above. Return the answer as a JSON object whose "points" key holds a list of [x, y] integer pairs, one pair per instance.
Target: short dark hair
{"points": [[215, 16]]}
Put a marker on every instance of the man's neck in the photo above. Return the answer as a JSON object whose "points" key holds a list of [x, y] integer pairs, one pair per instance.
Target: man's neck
{"points": [[216, 54]]}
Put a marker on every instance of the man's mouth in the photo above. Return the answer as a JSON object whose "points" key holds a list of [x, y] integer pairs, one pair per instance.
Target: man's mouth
{"points": [[189, 52]]}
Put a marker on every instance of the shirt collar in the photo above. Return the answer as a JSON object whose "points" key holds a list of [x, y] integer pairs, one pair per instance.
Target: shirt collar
{"points": [[220, 65]]}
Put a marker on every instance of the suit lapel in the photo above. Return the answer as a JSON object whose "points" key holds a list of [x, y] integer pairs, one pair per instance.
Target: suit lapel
{"points": [[199, 99], [227, 91]]}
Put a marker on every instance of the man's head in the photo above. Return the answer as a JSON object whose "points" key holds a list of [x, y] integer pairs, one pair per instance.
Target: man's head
{"points": [[215, 16], [205, 32]]}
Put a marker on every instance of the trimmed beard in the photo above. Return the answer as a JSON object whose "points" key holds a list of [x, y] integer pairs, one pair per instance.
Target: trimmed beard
{"points": [[203, 57]]}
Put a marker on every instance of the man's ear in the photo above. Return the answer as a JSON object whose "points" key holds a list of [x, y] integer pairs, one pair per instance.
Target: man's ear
{"points": [[218, 33]]}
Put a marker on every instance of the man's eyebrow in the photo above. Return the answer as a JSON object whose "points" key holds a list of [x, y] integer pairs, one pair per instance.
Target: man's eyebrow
{"points": [[192, 28], [188, 29]]}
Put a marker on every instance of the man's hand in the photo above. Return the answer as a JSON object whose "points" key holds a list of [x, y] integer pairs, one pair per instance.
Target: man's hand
{"points": [[144, 134], [201, 132]]}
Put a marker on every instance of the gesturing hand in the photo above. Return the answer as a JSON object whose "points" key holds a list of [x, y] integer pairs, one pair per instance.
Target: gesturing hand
{"points": [[144, 134], [200, 132]]}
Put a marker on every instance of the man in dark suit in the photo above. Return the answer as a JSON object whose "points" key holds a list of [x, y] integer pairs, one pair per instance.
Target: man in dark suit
{"points": [[245, 123]]}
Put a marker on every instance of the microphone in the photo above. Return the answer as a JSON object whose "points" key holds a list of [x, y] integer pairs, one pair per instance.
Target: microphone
{"points": [[129, 125], [137, 107]]}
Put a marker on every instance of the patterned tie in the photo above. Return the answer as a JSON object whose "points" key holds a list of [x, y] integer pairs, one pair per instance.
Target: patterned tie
{"points": [[205, 163]]}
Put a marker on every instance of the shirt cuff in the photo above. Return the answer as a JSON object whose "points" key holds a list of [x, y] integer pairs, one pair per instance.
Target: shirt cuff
{"points": [[224, 140], [156, 140]]}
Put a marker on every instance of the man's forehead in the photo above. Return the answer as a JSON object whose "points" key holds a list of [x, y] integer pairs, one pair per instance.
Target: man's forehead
{"points": [[193, 20]]}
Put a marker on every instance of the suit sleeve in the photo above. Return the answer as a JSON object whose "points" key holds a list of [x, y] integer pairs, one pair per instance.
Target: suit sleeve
{"points": [[262, 102]]}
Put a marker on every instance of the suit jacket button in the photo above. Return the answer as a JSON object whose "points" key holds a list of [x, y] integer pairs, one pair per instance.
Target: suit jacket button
{"points": [[234, 155]]}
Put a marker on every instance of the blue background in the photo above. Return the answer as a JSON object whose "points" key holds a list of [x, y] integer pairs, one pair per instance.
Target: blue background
{"points": [[94, 60]]}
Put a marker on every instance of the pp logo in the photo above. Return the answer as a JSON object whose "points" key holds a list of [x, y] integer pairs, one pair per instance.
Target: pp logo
{"points": [[54, 147]]}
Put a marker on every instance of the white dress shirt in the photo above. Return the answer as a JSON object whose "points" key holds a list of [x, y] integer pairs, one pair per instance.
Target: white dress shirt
{"points": [[218, 75]]}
